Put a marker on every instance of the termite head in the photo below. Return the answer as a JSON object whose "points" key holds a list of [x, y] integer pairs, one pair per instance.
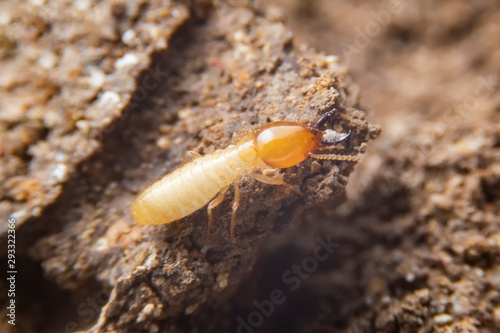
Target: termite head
{"points": [[284, 144]]}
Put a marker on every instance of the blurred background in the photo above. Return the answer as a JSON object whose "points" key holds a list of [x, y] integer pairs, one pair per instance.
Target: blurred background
{"points": [[419, 234], [410, 58]]}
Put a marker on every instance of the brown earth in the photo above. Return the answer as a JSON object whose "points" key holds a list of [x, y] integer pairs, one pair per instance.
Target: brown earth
{"points": [[99, 99]]}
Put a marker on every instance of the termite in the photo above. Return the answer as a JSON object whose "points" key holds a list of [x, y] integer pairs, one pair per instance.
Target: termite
{"points": [[280, 144]]}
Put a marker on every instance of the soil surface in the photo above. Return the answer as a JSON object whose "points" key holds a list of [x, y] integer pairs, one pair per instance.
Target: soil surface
{"points": [[102, 100], [98, 99]]}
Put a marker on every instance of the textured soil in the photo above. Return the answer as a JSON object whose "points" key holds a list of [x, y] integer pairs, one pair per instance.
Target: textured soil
{"points": [[100, 98], [123, 108]]}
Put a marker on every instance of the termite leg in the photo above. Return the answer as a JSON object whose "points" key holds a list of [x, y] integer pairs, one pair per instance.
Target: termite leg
{"points": [[274, 181], [335, 157], [238, 136], [214, 203], [236, 203], [190, 155]]}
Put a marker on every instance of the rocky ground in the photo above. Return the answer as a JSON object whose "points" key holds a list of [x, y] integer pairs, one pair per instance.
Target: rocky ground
{"points": [[99, 99]]}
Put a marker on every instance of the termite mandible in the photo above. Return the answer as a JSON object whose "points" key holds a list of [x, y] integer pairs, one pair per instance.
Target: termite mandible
{"points": [[279, 144]]}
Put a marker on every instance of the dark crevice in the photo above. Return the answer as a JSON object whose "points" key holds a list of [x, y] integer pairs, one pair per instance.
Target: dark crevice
{"points": [[38, 301], [491, 189]]}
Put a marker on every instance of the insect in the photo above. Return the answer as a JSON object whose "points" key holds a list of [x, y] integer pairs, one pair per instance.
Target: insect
{"points": [[206, 179]]}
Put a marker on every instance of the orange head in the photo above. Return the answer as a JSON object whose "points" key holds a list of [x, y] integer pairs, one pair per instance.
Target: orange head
{"points": [[283, 144]]}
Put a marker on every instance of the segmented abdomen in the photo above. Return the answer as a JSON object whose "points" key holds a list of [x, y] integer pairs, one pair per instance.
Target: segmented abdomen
{"points": [[188, 188]]}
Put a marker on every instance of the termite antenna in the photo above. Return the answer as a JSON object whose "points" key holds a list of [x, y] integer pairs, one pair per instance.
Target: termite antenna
{"points": [[311, 91], [309, 94], [335, 157]]}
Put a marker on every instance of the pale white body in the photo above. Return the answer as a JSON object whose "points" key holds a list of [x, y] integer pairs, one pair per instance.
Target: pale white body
{"points": [[277, 145], [193, 185]]}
